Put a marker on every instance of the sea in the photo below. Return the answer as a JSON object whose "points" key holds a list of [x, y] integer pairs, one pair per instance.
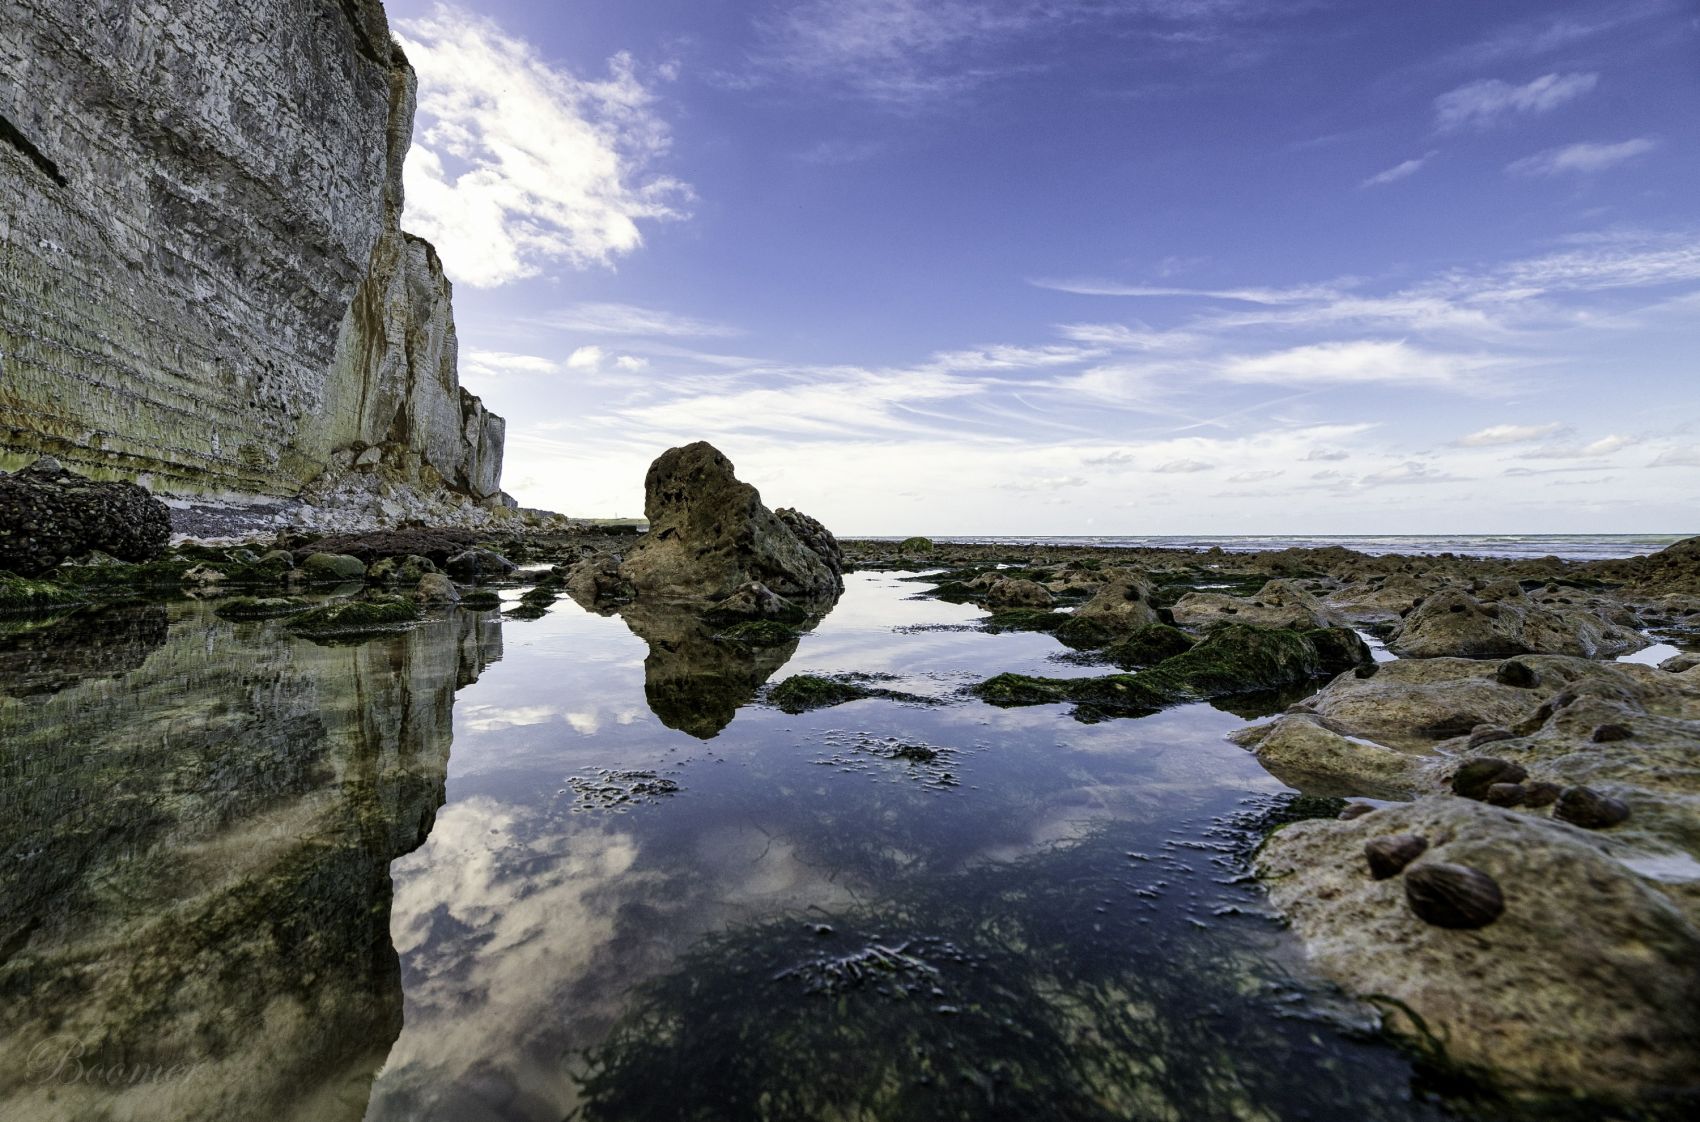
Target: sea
{"points": [[1570, 547]]}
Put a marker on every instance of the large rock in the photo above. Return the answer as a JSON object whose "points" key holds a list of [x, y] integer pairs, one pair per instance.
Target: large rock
{"points": [[709, 534], [1501, 620], [1624, 731], [1121, 605], [1589, 981], [206, 284], [49, 514], [1279, 603]]}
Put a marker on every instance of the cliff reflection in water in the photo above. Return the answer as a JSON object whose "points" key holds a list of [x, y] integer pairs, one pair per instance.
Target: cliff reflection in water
{"points": [[196, 825]]}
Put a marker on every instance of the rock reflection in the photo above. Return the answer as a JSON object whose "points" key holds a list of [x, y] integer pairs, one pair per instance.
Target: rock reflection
{"points": [[700, 671], [196, 827], [45, 655]]}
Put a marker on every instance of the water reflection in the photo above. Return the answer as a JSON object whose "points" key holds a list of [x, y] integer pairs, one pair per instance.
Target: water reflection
{"points": [[875, 910], [694, 681], [196, 825], [46, 654], [766, 941]]}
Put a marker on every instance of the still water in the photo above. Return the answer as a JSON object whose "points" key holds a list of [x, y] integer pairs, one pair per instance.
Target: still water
{"points": [[571, 867]]}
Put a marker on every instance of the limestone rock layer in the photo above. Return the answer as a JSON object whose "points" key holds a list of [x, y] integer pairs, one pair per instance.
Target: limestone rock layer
{"points": [[203, 281]]}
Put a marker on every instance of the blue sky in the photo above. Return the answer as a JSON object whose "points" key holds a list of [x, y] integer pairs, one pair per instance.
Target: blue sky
{"points": [[1081, 266]]}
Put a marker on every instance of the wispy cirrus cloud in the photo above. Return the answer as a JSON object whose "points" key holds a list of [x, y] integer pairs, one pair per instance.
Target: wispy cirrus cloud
{"points": [[518, 164], [1581, 159], [1489, 102], [1399, 171], [906, 52], [629, 319]]}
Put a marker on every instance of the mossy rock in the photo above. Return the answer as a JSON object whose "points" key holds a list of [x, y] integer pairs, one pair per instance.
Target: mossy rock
{"points": [[909, 546], [1232, 660], [331, 568], [955, 592], [242, 608], [803, 692], [480, 600], [165, 573], [1025, 619], [1148, 646], [353, 618], [20, 596], [758, 633], [1086, 633]]}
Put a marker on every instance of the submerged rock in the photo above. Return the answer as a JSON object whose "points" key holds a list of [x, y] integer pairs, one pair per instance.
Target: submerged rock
{"points": [[49, 514], [709, 533]]}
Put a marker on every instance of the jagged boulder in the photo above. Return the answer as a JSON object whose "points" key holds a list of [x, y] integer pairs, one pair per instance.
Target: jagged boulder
{"points": [[1279, 603], [709, 534], [49, 514], [1500, 620], [1121, 606]]}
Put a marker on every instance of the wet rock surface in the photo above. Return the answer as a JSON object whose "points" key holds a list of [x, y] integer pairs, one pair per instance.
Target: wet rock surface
{"points": [[49, 514]]}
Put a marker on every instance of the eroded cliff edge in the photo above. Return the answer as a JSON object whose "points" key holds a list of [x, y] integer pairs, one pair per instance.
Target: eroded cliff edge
{"points": [[204, 285]]}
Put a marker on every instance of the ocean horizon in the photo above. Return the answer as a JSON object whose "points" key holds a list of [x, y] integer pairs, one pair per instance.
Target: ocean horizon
{"points": [[1569, 547]]}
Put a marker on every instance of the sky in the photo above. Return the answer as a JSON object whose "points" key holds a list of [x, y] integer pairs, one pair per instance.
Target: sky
{"points": [[1081, 266]]}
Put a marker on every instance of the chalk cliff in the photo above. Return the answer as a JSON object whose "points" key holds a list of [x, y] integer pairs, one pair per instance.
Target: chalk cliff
{"points": [[204, 285]]}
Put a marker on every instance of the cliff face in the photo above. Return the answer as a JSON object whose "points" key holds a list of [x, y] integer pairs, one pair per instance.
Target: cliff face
{"points": [[203, 280]]}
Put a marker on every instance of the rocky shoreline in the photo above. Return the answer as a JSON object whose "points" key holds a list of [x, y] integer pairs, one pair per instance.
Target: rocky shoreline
{"points": [[1515, 885]]}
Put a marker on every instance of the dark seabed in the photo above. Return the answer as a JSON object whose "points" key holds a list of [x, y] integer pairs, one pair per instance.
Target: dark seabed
{"points": [[644, 897]]}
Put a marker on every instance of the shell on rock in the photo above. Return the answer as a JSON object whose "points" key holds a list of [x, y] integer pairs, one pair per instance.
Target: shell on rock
{"points": [[1354, 810], [1540, 793], [1388, 856], [1475, 776], [1608, 733], [1504, 794], [1588, 808], [1453, 896]]}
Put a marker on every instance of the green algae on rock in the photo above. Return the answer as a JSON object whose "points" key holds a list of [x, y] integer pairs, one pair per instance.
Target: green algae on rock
{"points": [[243, 608], [1233, 659], [803, 692], [355, 618]]}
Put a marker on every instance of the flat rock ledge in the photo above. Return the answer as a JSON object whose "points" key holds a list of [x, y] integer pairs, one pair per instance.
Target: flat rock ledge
{"points": [[1589, 981]]}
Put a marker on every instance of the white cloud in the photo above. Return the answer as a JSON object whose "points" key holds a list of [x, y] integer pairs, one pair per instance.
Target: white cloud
{"points": [[1408, 472], [1327, 454], [1255, 476], [1487, 102], [497, 364], [628, 319], [1688, 456], [585, 358], [1360, 362], [518, 164], [1507, 434], [1398, 171], [1604, 446], [1581, 158], [1182, 467]]}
